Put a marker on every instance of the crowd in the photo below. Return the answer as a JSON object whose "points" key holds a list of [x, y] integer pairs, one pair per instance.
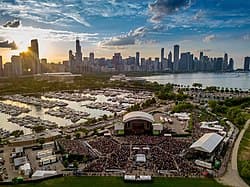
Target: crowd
{"points": [[74, 147], [186, 168], [162, 154], [162, 160], [119, 158], [96, 165], [176, 145], [141, 140], [104, 145]]}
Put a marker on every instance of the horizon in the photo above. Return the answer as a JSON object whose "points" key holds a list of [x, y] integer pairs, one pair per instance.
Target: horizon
{"points": [[126, 27]]}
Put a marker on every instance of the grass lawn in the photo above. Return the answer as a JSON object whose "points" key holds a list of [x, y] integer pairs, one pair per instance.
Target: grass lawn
{"points": [[244, 156], [118, 182]]}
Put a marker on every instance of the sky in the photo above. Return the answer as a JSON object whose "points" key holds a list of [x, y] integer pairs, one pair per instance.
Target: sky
{"points": [[126, 26]]}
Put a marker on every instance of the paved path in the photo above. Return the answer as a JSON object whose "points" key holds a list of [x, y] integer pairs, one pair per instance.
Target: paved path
{"points": [[231, 177]]}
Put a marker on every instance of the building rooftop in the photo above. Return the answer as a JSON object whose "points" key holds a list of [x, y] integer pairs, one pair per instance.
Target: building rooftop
{"points": [[207, 143], [138, 115]]}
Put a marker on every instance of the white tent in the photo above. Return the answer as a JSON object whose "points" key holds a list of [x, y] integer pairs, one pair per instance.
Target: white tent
{"points": [[207, 143], [140, 158], [119, 126], [25, 169], [41, 173], [157, 127], [129, 177]]}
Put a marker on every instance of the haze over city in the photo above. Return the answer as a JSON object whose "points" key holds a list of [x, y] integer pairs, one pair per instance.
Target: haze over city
{"points": [[105, 27]]}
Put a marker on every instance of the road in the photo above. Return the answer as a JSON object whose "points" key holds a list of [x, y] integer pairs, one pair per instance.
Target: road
{"points": [[231, 177]]}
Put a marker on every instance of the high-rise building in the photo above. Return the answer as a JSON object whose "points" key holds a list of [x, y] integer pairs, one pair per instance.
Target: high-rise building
{"points": [[34, 47], [44, 65], [92, 58], [137, 58], [201, 56], [7, 69], [157, 64], [246, 63], [186, 62], [225, 62], [143, 64], [170, 58], [35, 53], [231, 64], [1, 66], [218, 67], [116, 61], [176, 57], [78, 55], [226, 58], [16, 65], [162, 59], [30, 59]]}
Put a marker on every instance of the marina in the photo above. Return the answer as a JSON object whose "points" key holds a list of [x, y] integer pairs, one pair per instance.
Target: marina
{"points": [[50, 108], [12, 110], [31, 122], [67, 113], [35, 101]]}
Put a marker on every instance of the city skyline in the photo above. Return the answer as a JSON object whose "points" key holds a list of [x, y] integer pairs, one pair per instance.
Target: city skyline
{"points": [[126, 27]]}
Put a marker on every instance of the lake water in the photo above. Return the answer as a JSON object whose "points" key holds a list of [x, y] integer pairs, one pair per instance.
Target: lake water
{"points": [[226, 80]]}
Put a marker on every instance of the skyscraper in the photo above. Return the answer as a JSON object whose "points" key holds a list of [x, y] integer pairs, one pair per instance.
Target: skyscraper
{"points": [[30, 59], [35, 53], [231, 65], [34, 47], [16, 65], [170, 64], [218, 67], [176, 57], [225, 62], [246, 63], [201, 56], [226, 58], [91, 58], [137, 58], [186, 62], [78, 55], [162, 59], [116, 61]]}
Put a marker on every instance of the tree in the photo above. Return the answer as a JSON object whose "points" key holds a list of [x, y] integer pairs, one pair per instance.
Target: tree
{"points": [[199, 85], [66, 163], [75, 164], [78, 135], [41, 141], [104, 117]]}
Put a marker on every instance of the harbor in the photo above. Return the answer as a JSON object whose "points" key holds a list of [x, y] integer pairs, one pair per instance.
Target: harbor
{"points": [[65, 109]]}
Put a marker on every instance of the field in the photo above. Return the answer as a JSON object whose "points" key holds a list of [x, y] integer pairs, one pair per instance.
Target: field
{"points": [[118, 182]]}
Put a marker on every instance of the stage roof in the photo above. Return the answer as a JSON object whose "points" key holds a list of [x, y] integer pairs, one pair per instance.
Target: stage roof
{"points": [[138, 115], [207, 143]]}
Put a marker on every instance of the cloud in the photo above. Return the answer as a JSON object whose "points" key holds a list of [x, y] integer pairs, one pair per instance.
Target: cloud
{"points": [[127, 39], [199, 15], [6, 44], [209, 38], [14, 24], [246, 37], [204, 50], [162, 8], [77, 17], [23, 34]]}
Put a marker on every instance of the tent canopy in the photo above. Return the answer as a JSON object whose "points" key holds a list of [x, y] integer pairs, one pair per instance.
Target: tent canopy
{"points": [[207, 143]]}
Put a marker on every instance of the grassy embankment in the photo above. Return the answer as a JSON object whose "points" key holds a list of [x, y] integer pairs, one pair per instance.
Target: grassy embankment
{"points": [[117, 181], [244, 157]]}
